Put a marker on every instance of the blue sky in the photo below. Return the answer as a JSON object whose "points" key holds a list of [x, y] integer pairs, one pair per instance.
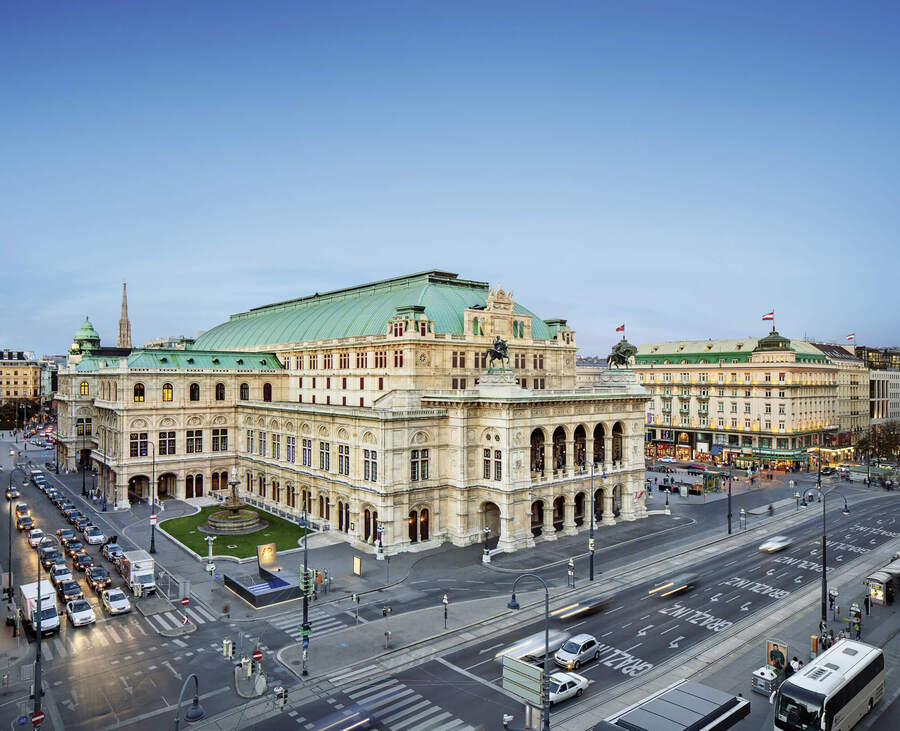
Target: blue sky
{"points": [[680, 167]]}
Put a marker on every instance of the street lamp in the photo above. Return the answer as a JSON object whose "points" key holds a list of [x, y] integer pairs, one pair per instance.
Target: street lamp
{"points": [[729, 499], [195, 712], [845, 511], [545, 684], [304, 626], [591, 533], [153, 499], [486, 556], [83, 438]]}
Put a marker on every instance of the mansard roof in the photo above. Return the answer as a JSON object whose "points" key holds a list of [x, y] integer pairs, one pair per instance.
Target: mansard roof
{"points": [[153, 359], [361, 310]]}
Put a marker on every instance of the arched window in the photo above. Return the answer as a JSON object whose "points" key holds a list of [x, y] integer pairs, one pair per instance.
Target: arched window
{"points": [[167, 392], [138, 392], [267, 392], [195, 392], [220, 392], [83, 388], [474, 325], [245, 392]]}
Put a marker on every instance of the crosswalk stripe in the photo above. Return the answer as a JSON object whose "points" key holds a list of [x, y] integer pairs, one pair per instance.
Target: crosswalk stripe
{"points": [[46, 652], [385, 695], [162, 620], [433, 723], [113, 634], [418, 717], [99, 637], [373, 690], [60, 646], [406, 712], [205, 613], [407, 693], [195, 615]]}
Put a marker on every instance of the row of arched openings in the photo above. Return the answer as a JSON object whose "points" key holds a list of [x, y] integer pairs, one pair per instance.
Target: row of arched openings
{"points": [[558, 457]]}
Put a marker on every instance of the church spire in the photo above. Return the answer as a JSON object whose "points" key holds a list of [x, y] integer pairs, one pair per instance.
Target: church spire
{"points": [[124, 340]]}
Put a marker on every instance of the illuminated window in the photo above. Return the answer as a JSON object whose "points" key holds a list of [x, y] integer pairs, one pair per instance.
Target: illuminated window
{"points": [[138, 392], [84, 388], [166, 393]]}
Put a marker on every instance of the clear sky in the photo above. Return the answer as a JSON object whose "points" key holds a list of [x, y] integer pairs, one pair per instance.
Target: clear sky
{"points": [[680, 167]]}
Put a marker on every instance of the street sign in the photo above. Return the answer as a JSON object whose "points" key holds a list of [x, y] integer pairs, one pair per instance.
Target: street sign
{"points": [[22, 720], [37, 718], [152, 520], [257, 655], [522, 680], [184, 619], [185, 601]]}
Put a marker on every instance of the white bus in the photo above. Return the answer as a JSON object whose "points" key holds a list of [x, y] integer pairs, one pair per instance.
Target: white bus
{"points": [[834, 691]]}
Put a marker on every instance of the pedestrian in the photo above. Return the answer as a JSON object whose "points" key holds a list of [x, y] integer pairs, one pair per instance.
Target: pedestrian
{"points": [[831, 638], [795, 664], [866, 604], [857, 628], [788, 670], [226, 610]]}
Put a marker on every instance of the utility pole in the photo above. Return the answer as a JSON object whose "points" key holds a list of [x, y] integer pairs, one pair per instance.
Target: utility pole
{"points": [[304, 627]]}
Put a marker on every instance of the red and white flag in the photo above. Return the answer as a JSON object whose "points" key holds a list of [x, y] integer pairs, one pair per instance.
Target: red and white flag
{"points": [[769, 315], [851, 336], [621, 328]]}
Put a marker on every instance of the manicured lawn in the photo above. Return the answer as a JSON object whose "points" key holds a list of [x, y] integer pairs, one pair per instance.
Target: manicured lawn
{"points": [[279, 531]]}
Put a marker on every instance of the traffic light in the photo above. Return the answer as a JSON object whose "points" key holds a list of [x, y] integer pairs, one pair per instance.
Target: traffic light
{"points": [[247, 666], [138, 589], [227, 648], [281, 696], [308, 581]]}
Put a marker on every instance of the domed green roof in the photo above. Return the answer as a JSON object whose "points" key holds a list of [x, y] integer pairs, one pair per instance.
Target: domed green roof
{"points": [[356, 311], [86, 335]]}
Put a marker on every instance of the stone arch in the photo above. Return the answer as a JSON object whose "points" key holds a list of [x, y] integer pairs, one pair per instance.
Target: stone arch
{"points": [[343, 435], [249, 421], [559, 448], [138, 424], [165, 485], [537, 517], [559, 512], [220, 420], [323, 431], [273, 424], [267, 392], [289, 425], [538, 440], [420, 437], [167, 421], [194, 421], [599, 443], [618, 433], [490, 518], [261, 421], [579, 446], [580, 512], [139, 487], [617, 494], [369, 438], [83, 411], [305, 428]]}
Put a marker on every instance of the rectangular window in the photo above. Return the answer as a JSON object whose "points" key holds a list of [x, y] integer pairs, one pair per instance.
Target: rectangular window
{"points": [[398, 359], [220, 440], [498, 465], [313, 361], [343, 459], [768, 408], [194, 443], [768, 426], [138, 442], [733, 407], [721, 423], [344, 383], [370, 465], [381, 359], [250, 447], [166, 442], [324, 456], [306, 455], [328, 382], [746, 408], [328, 360], [262, 444], [276, 446], [344, 360], [487, 464], [734, 423], [381, 384], [290, 445], [362, 383], [542, 381], [418, 465], [300, 362], [362, 360], [362, 401], [343, 400], [781, 409], [454, 360], [300, 382], [781, 377]]}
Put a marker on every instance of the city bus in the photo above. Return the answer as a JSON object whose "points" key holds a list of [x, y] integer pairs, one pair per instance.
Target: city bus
{"points": [[832, 692]]}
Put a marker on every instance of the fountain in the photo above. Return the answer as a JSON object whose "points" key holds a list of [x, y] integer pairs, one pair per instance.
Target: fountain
{"points": [[235, 518]]}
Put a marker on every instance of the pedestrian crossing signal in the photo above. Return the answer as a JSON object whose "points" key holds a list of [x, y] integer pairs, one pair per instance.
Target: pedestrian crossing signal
{"points": [[227, 648], [308, 582]]}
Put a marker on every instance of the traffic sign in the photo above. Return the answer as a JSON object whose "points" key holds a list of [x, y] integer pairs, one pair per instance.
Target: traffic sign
{"points": [[185, 601], [37, 718], [257, 655], [152, 520], [22, 720], [184, 619]]}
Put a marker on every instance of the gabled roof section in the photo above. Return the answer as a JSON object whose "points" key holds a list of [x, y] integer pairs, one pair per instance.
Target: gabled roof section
{"points": [[356, 311], [711, 351], [203, 360]]}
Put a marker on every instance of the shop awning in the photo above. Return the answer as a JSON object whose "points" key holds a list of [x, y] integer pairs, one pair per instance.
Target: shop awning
{"points": [[715, 450]]}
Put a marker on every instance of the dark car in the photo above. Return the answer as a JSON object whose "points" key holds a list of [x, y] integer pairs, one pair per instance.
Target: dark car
{"points": [[24, 522], [68, 509], [98, 578], [22, 510], [12, 493], [75, 515], [82, 522], [69, 590], [112, 550], [828, 471], [50, 466], [83, 562], [49, 556], [74, 547], [65, 534]]}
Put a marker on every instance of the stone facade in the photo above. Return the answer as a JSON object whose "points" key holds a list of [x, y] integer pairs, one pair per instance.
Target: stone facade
{"points": [[402, 433]]}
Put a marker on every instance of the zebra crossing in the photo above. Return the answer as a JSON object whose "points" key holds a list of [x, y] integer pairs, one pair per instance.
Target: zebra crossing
{"points": [[399, 708], [170, 620], [73, 642], [322, 623]]}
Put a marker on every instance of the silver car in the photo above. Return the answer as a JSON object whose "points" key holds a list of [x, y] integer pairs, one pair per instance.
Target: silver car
{"points": [[576, 651]]}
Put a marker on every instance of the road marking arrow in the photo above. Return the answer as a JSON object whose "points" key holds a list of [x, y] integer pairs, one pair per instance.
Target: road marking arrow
{"points": [[798, 580], [872, 542], [128, 688], [746, 606], [839, 558], [770, 572], [674, 643], [715, 597], [174, 672], [643, 632]]}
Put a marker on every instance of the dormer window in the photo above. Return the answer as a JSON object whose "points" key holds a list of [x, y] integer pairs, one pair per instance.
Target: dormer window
{"points": [[190, 360]]}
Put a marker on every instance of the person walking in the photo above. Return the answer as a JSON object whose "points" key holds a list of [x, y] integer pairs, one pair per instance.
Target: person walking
{"points": [[857, 627], [866, 604]]}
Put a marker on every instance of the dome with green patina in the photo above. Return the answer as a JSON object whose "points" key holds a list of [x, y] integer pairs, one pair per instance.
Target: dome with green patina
{"points": [[86, 338], [361, 310]]}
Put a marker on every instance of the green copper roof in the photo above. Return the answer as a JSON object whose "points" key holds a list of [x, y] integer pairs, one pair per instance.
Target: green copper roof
{"points": [[154, 359], [361, 310], [86, 332], [741, 350]]}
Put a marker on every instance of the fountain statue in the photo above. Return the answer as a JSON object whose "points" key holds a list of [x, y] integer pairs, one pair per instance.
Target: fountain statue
{"points": [[235, 518]]}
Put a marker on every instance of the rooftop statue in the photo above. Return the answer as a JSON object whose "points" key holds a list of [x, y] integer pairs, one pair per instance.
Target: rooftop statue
{"points": [[621, 354], [498, 351]]}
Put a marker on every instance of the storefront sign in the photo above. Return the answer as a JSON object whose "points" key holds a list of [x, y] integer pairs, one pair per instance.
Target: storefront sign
{"points": [[702, 447], [684, 437]]}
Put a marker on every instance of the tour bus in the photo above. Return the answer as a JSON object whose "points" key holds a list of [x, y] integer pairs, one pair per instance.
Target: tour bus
{"points": [[832, 692]]}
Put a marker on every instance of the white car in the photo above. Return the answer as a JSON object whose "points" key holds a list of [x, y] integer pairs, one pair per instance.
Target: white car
{"points": [[93, 535], [115, 602], [59, 573], [775, 544], [566, 685], [34, 537], [80, 612]]}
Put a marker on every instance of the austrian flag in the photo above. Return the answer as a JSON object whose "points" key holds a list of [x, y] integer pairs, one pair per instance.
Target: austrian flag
{"points": [[851, 336], [621, 328], [769, 315]]}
